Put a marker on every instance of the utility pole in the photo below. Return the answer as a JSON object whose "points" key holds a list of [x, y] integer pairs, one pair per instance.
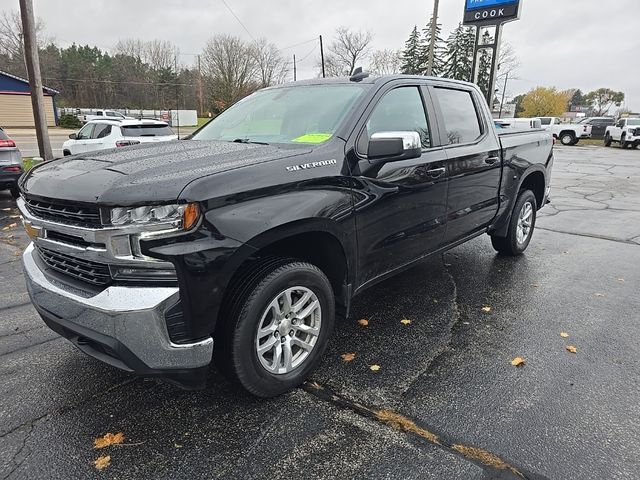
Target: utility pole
{"points": [[175, 58], [504, 90], [200, 99], [432, 42], [35, 79], [295, 73], [322, 57]]}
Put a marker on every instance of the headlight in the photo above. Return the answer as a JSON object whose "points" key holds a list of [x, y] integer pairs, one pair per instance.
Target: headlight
{"points": [[179, 216]]}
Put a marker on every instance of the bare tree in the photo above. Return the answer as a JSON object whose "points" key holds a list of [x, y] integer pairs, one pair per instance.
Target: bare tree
{"points": [[11, 34], [386, 62], [271, 67], [347, 50], [158, 54], [230, 69]]}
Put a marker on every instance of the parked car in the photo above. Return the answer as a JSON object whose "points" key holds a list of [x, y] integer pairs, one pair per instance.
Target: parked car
{"points": [[567, 133], [244, 243], [105, 134], [11, 165], [104, 114], [626, 132], [598, 125]]}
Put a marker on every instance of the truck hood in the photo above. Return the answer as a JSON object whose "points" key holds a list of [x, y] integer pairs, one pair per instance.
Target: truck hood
{"points": [[144, 174]]}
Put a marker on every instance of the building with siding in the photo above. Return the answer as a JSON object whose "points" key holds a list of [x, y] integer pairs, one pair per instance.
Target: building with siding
{"points": [[15, 103]]}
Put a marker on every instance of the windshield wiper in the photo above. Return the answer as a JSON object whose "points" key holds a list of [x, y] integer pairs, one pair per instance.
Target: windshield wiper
{"points": [[246, 140]]}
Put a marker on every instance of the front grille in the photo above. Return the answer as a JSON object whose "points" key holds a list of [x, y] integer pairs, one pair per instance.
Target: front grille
{"points": [[91, 272], [637, 134], [84, 216]]}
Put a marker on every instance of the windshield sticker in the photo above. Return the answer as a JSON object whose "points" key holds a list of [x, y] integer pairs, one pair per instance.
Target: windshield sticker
{"points": [[313, 138]]}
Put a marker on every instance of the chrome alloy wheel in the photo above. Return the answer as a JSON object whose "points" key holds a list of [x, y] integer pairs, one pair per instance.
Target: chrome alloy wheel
{"points": [[288, 330], [525, 219]]}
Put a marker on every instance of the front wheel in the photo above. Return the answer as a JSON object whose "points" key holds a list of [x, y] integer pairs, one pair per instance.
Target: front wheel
{"points": [[623, 142], [568, 139], [521, 226], [280, 319], [607, 140]]}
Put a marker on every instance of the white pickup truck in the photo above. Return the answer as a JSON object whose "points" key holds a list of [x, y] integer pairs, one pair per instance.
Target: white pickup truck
{"points": [[626, 132], [567, 133], [104, 115]]}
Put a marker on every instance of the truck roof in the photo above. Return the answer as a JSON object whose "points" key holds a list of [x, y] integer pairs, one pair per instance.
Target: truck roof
{"points": [[369, 80]]}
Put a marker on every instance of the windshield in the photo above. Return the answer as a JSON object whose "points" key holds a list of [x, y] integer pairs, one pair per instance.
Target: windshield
{"points": [[301, 114], [633, 121]]}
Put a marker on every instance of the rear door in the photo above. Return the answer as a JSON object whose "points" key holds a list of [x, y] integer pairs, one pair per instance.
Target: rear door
{"points": [[474, 165], [400, 206], [99, 136]]}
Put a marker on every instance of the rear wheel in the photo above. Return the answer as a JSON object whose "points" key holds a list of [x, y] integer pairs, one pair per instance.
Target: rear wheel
{"points": [[568, 138], [66, 153], [607, 140], [279, 321], [521, 226]]}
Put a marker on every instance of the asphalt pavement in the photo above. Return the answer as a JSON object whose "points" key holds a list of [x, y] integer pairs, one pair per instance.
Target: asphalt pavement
{"points": [[446, 403]]}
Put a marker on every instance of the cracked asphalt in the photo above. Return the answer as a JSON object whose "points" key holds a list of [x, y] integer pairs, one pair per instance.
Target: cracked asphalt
{"points": [[446, 402]]}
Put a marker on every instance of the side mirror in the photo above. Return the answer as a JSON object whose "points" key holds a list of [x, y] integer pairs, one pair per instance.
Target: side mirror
{"points": [[394, 146], [73, 136]]}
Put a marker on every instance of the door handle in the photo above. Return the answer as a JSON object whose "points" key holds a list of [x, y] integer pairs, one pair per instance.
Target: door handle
{"points": [[491, 160], [436, 172]]}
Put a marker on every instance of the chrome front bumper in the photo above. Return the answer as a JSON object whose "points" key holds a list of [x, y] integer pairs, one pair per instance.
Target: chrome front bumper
{"points": [[127, 321]]}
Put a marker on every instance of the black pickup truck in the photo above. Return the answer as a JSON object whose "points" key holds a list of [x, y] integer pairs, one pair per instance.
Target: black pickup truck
{"points": [[243, 243]]}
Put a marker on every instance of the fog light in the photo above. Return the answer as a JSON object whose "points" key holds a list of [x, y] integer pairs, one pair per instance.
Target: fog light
{"points": [[142, 274]]}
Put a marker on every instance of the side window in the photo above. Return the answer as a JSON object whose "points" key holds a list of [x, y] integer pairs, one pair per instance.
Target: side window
{"points": [[85, 132], [101, 130], [621, 124], [110, 114], [546, 121], [99, 112], [459, 115], [400, 110]]}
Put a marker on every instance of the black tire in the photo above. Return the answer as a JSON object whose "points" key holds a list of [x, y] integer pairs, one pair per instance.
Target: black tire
{"points": [[66, 153], [567, 138], [15, 192], [510, 245], [623, 143], [634, 146], [235, 346], [607, 140]]}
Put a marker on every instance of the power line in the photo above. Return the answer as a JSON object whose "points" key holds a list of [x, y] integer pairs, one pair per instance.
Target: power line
{"points": [[239, 21], [299, 44]]}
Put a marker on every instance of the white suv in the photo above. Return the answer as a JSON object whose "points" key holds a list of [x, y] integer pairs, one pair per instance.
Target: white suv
{"points": [[104, 134]]}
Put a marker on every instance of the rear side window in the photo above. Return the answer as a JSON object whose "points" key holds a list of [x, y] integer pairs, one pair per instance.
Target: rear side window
{"points": [[111, 114], [146, 131], [101, 130], [546, 121], [459, 115]]}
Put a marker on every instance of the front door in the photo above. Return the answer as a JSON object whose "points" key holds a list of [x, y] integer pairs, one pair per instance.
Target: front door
{"points": [[400, 206], [79, 145], [474, 164]]}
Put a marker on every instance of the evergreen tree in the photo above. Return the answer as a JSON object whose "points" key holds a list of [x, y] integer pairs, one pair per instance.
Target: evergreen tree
{"points": [[411, 54], [459, 54], [439, 51], [484, 65]]}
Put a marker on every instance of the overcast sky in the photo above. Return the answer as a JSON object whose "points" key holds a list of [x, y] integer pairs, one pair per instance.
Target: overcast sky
{"points": [[582, 44]]}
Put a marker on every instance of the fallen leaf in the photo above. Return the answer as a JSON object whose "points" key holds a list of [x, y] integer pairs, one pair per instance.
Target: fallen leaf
{"points": [[4, 229], [435, 300], [348, 357], [12, 225], [486, 309], [364, 322], [108, 440], [535, 285], [374, 368], [621, 280], [600, 295], [572, 349], [517, 362], [102, 462], [405, 321], [177, 445], [564, 334], [6, 209]]}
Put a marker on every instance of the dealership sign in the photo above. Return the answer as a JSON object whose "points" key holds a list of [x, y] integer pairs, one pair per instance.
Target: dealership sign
{"points": [[490, 12]]}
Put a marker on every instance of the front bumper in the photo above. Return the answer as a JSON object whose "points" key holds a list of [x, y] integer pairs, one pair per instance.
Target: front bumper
{"points": [[123, 326]]}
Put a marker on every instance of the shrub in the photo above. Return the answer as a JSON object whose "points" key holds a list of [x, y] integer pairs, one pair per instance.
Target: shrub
{"points": [[69, 121]]}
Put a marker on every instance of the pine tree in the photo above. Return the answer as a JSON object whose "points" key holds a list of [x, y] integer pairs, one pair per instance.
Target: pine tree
{"points": [[410, 54], [467, 47], [484, 65], [438, 54]]}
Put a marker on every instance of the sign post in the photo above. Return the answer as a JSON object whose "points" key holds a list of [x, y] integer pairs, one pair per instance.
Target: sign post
{"points": [[489, 13]]}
